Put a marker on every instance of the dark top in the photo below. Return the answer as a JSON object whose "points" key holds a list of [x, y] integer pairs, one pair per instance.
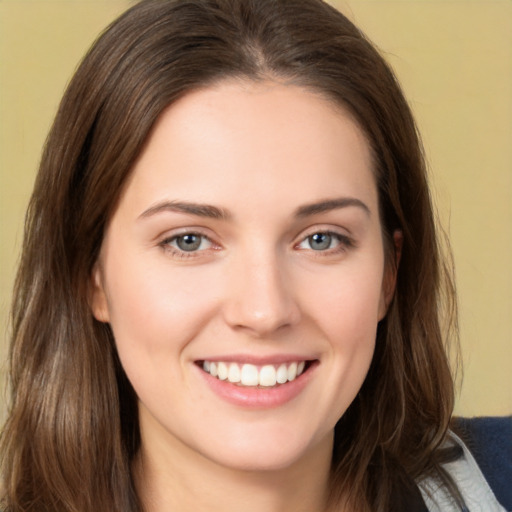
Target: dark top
{"points": [[489, 440]]}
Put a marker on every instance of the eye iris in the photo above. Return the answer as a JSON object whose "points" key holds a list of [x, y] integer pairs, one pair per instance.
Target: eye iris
{"points": [[188, 242], [320, 241]]}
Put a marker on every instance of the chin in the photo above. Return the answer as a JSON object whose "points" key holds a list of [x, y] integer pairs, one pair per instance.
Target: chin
{"points": [[269, 453]]}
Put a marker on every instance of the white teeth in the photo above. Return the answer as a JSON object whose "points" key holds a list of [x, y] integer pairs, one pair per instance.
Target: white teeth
{"points": [[267, 376], [222, 370], [251, 375], [282, 374], [292, 371], [234, 373]]}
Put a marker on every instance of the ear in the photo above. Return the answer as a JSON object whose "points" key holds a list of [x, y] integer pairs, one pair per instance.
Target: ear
{"points": [[390, 274], [97, 297]]}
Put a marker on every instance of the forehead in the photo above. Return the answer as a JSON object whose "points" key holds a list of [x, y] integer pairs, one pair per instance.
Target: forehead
{"points": [[261, 139]]}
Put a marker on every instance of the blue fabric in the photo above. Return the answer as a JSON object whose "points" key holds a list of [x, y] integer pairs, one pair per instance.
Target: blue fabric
{"points": [[490, 441]]}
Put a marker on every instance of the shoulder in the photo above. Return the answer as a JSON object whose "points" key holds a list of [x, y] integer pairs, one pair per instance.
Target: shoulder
{"points": [[469, 478], [489, 439]]}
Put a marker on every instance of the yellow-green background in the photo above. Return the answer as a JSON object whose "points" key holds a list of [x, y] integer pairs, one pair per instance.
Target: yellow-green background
{"points": [[454, 59]]}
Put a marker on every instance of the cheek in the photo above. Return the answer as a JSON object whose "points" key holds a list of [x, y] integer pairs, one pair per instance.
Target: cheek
{"points": [[346, 303], [153, 309], [347, 312]]}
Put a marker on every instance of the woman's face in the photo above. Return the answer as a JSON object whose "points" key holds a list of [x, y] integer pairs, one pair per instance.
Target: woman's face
{"points": [[243, 275]]}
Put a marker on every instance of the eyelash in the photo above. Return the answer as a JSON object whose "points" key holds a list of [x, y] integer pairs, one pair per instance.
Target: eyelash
{"points": [[166, 244], [343, 244]]}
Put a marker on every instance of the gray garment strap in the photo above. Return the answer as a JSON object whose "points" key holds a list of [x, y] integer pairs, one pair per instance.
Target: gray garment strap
{"points": [[474, 489]]}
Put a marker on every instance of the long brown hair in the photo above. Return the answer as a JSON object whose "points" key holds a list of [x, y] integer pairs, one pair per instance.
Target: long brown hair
{"points": [[72, 429]]}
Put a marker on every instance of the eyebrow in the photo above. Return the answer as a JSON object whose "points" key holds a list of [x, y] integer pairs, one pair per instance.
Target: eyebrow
{"points": [[200, 210], [214, 212], [331, 204]]}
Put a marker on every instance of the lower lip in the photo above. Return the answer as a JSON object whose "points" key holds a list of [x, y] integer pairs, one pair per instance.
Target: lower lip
{"points": [[258, 398]]}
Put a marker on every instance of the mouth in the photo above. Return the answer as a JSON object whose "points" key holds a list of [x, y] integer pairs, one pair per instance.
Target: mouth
{"points": [[255, 376]]}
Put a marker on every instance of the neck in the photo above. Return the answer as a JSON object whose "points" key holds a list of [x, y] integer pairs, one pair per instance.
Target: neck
{"points": [[176, 480]]}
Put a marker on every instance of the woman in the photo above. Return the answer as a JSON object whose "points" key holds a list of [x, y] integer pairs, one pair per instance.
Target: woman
{"points": [[230, 288]]}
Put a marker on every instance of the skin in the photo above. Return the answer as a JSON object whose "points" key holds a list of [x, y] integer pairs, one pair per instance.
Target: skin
{"points": [[259, 153]]}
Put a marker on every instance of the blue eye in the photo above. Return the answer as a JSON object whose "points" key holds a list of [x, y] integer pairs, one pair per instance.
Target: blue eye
{"points": [[188, 242], [324, 241], [320, 241]]}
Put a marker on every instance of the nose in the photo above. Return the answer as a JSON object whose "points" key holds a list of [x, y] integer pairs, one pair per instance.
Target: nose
{"points": [[260, 298]]}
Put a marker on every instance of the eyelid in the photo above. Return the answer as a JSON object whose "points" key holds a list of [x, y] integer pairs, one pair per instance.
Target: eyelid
{"points": [[324, 228], [176, 232], [346, 241], [165, 241]]}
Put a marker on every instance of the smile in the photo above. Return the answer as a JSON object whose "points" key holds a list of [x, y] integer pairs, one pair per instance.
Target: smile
{"points": [[250, 375]]}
